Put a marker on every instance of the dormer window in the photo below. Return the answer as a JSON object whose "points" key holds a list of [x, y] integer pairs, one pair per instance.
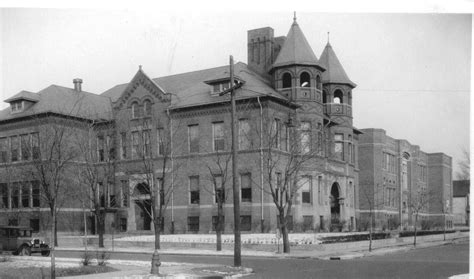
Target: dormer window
{"points": [[17, 106], [220, 84], [219, 87]]}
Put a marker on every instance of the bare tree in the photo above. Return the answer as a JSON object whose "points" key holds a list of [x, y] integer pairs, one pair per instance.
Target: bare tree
{"points": [[418, 203], [53, 165], [97, 172], [373, 201], [219, 176], [287, 154], [464, 166]]}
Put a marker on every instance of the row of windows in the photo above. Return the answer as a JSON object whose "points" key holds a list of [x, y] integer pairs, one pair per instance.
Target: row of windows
{"points": [[20, 195], [19, 148], [219, 189], [34, 225], [141, 110], [245, 223], [390, 198], [305, 80], [339, 153]]}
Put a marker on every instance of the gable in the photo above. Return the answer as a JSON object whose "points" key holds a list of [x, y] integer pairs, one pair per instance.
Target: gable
{"points": [[139, 87]]}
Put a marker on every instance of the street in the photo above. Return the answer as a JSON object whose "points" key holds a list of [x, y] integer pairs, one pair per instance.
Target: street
{"points": [[433, 262]]}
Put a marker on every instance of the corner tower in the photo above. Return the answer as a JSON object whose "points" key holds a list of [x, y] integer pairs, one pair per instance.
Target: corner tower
{"points": [[337, 87], [296, 71]]}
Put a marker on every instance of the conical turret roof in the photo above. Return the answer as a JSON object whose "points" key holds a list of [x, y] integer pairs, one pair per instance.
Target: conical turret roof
{"points": [[334, 71], [295, 50]]}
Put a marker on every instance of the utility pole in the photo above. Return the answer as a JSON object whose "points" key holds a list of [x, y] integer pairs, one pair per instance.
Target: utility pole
{"points": [[237, 242], [235, 186]]}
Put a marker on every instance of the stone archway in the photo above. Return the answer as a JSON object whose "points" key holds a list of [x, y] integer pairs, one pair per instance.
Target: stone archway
{"points": [[142, 203], [335, 203]]}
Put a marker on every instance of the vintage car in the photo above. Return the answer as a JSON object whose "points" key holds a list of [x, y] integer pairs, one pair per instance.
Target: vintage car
{"points": [[19, 241]]}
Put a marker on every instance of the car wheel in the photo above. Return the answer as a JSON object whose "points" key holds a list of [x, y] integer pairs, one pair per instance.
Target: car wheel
{"points": [[45, 253], [25, 251]]}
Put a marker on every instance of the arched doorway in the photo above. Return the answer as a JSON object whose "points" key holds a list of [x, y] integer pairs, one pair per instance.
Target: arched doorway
{"points": [[142, 206], [335, 205]]}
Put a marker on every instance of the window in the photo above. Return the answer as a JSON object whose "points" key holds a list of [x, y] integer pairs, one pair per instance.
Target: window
{"points": [[214, 222], [279, 186], [246, 187], [125, 193], [100, 149], [15, 149], [193, 223], [286, 80], [35, 193], [135, 110], [320, 192], [217, 88], [275, 133], [147, 108], [3, 150], [305, 137], [14, 222], [35, 225], [218, 135], [123, 145], [318, 83], [25, 147], [123, 224], [339, 147], [351, 194], [338, 97], [219, 189], [350, 150], [111, 147], [25, 195], [284, 137], [244, 134], [246, 223], [194, 190], [307, 223], [135, 144], [146, 143], [35, 146], [320, 140], [15, 195], [4, 195], [160, 136], [325, 98], [306, 190], [17, 106], [193, 138], [305, 80]]}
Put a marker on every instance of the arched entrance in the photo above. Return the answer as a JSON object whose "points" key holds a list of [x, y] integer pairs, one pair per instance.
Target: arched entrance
{"points": [[142, 197], [335, 205]]}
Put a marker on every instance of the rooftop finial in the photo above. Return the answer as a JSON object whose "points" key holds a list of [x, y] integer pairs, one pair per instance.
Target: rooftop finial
{"points": [[328, 37], [140, 67], [294, 16]]}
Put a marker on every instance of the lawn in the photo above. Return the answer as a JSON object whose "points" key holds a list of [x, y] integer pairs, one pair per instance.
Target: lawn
{"points": [[12, 272]]}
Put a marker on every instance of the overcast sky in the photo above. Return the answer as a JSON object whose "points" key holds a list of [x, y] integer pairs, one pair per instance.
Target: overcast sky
{"points": [[413, 71]]}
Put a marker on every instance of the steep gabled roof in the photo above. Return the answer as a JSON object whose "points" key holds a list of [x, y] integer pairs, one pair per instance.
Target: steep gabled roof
{"points": [[334, 71], [65, 101], [190, 89], [296, 50]]}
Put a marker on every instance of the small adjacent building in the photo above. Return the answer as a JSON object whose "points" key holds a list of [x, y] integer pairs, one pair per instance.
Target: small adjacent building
{"points": [[399, 181], [461, 207]]}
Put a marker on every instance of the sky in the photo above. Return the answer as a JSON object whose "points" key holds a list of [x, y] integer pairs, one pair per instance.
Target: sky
{"points": [[413, 71]]}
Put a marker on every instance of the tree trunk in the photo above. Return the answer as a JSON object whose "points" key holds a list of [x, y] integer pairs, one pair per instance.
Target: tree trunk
{"points": [[157, 225], [219, 228], [371, 229], [284, 233], [416, 221], [101, 228], [55, 231], [54, 240]]}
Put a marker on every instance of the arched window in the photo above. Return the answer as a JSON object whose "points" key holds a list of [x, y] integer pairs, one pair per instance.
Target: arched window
{"points": [[286, 80], [135, 110], [147, 108], [325, 98], [338, 97], [349, 95], [318, 83], [305, 80]]}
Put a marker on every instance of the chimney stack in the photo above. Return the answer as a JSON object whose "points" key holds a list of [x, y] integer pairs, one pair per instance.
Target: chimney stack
{"points": [[77, 84]]}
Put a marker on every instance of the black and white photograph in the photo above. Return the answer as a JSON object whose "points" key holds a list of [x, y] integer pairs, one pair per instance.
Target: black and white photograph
{"points": [[235, 142]]}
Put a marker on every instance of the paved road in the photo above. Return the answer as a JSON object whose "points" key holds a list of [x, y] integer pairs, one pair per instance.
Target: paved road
{"points": [[434, 262]]}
